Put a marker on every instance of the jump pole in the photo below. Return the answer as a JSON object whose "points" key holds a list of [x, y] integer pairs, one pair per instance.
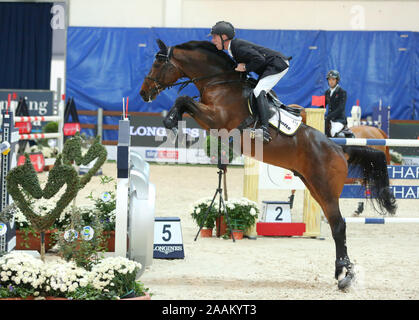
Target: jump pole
{"points": [[311, 210]]}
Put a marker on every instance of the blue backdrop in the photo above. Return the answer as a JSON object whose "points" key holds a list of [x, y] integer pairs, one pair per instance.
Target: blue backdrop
{"points": [[106, 64]]}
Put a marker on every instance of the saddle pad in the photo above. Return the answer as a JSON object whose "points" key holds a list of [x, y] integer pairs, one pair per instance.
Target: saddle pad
{"points": [[289, 122]]}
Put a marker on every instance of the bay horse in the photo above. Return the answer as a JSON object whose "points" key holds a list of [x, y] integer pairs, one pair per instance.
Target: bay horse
{"points": [[320, 163]]}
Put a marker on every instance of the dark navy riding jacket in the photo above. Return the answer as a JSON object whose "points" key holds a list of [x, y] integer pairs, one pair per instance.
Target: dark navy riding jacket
{"points": [[258, 59], [337, 103]]}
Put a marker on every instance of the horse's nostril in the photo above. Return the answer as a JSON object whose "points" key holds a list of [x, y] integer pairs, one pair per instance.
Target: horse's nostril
{"points": [[142, 93]]}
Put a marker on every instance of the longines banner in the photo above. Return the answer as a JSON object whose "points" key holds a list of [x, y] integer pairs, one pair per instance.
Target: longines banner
{"points": [[40, 103], [155, 143]]}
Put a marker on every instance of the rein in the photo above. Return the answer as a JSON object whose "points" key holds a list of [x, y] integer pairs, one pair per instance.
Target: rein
{"points": [[161, 86]]}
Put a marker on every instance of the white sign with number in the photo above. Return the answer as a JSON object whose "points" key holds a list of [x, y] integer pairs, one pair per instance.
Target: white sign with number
{"points": [[168, 243], [276, 211]]}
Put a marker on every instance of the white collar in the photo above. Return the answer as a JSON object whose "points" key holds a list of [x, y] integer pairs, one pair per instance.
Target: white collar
{"points": [[228, 49], [333, 90]]}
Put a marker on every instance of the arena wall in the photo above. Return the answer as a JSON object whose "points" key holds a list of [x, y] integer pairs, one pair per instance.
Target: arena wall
{"points": [[267, 14]]}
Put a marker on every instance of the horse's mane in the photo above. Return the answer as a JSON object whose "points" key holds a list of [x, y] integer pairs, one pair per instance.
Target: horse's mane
{"points": [[218, 56]]}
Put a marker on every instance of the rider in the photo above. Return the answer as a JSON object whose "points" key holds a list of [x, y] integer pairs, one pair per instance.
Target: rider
{"points": [[270, 65], [336, 99]]}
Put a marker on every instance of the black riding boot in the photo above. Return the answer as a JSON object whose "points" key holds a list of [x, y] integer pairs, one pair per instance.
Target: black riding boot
{"points": [[262, 103]]}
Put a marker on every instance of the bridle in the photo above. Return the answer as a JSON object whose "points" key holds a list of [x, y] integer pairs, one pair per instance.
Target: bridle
{"points": [[167, 62]]}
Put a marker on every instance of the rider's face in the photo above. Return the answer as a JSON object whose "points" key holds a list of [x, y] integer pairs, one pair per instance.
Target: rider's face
{"points": [[216, 40], [332, 82]]}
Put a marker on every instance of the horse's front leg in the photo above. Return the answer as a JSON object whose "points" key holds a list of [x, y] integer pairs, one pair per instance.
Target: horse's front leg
{"points": [[202, 113], [174, 116]]}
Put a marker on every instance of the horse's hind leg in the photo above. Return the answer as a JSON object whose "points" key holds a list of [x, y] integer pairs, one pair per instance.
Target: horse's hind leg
{"points": [[325, 185]]}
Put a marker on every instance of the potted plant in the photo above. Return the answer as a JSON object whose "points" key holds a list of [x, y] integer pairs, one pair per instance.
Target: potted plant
{"points": [[242, 213], [199, 209], [27, 238], [396, 157], [20, 276]]}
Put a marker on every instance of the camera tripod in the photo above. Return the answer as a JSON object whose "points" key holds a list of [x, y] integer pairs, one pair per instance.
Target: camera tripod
{"points": [[219, 191]]}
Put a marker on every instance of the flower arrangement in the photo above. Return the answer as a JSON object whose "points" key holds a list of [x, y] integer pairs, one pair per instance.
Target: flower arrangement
{"points": [[396, 157], [242, 212], [199, 209], [22, 275]]}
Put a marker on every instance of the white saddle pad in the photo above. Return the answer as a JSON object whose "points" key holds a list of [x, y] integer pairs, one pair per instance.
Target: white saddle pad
{"points": [[289, 122]]}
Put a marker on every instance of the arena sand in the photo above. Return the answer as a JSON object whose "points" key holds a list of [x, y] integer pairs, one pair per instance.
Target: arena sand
{"points": [[273, 268]]}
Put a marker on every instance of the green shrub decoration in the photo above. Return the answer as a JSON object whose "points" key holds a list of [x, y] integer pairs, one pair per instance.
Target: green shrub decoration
{"points": [[50, 127], [72, 153], [25, 177]]}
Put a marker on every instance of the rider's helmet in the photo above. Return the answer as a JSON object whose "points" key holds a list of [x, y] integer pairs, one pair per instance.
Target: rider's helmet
{"points": [[223, 27], [333, 74]]}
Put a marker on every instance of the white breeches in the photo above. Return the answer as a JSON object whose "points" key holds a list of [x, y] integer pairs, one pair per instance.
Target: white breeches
{"points": [[267, 83], [335, 127]]}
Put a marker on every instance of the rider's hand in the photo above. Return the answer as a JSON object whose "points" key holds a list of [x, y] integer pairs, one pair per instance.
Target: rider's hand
{"points": [[241, 67]]}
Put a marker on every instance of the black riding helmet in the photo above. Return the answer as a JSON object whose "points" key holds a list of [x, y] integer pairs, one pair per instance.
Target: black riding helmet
{"points": [[333, 74], [223, 27]]}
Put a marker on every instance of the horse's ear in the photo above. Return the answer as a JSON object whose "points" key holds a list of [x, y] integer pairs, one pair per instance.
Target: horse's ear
{"points": [[162, 45]]}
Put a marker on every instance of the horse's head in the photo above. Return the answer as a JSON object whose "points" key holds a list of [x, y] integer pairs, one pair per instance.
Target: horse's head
{"points": [[163, 74]]}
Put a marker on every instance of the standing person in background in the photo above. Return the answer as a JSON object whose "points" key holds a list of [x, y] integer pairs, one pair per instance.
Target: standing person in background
{"points": [[336, 99]]}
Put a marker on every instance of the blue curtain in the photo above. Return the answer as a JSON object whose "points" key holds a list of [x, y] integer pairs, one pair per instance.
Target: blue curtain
{"points": [[25, 45], [106, 64]]}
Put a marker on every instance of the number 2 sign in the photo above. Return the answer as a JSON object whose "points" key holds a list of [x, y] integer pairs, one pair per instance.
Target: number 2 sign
{"points": [[168, 242], [276, 211]]}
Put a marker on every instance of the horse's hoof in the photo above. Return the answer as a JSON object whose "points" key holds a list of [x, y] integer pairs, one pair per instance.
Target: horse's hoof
{"points": [[346, 281]]}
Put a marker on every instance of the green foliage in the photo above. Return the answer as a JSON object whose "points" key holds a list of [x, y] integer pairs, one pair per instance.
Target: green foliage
{"points": [[24, 177], [11, 291], [84, 253], [242, 213], [50, 127], [72, 153], [199, 210], [105, 205], [215, 147], [396, 157]]}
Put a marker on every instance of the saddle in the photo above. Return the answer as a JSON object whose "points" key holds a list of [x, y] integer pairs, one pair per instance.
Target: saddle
{"points": [[289, 117], [272, 99]]}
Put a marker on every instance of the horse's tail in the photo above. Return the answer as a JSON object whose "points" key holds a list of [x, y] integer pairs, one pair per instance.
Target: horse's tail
{"points": [[374, 173]]}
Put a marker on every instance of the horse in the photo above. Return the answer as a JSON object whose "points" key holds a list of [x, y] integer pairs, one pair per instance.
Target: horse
{"points": [[320, 163], [361, 131], [370, 132]]}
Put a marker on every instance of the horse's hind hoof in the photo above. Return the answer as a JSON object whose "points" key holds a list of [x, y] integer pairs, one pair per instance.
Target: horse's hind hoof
{"points": [[346, 281]]}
